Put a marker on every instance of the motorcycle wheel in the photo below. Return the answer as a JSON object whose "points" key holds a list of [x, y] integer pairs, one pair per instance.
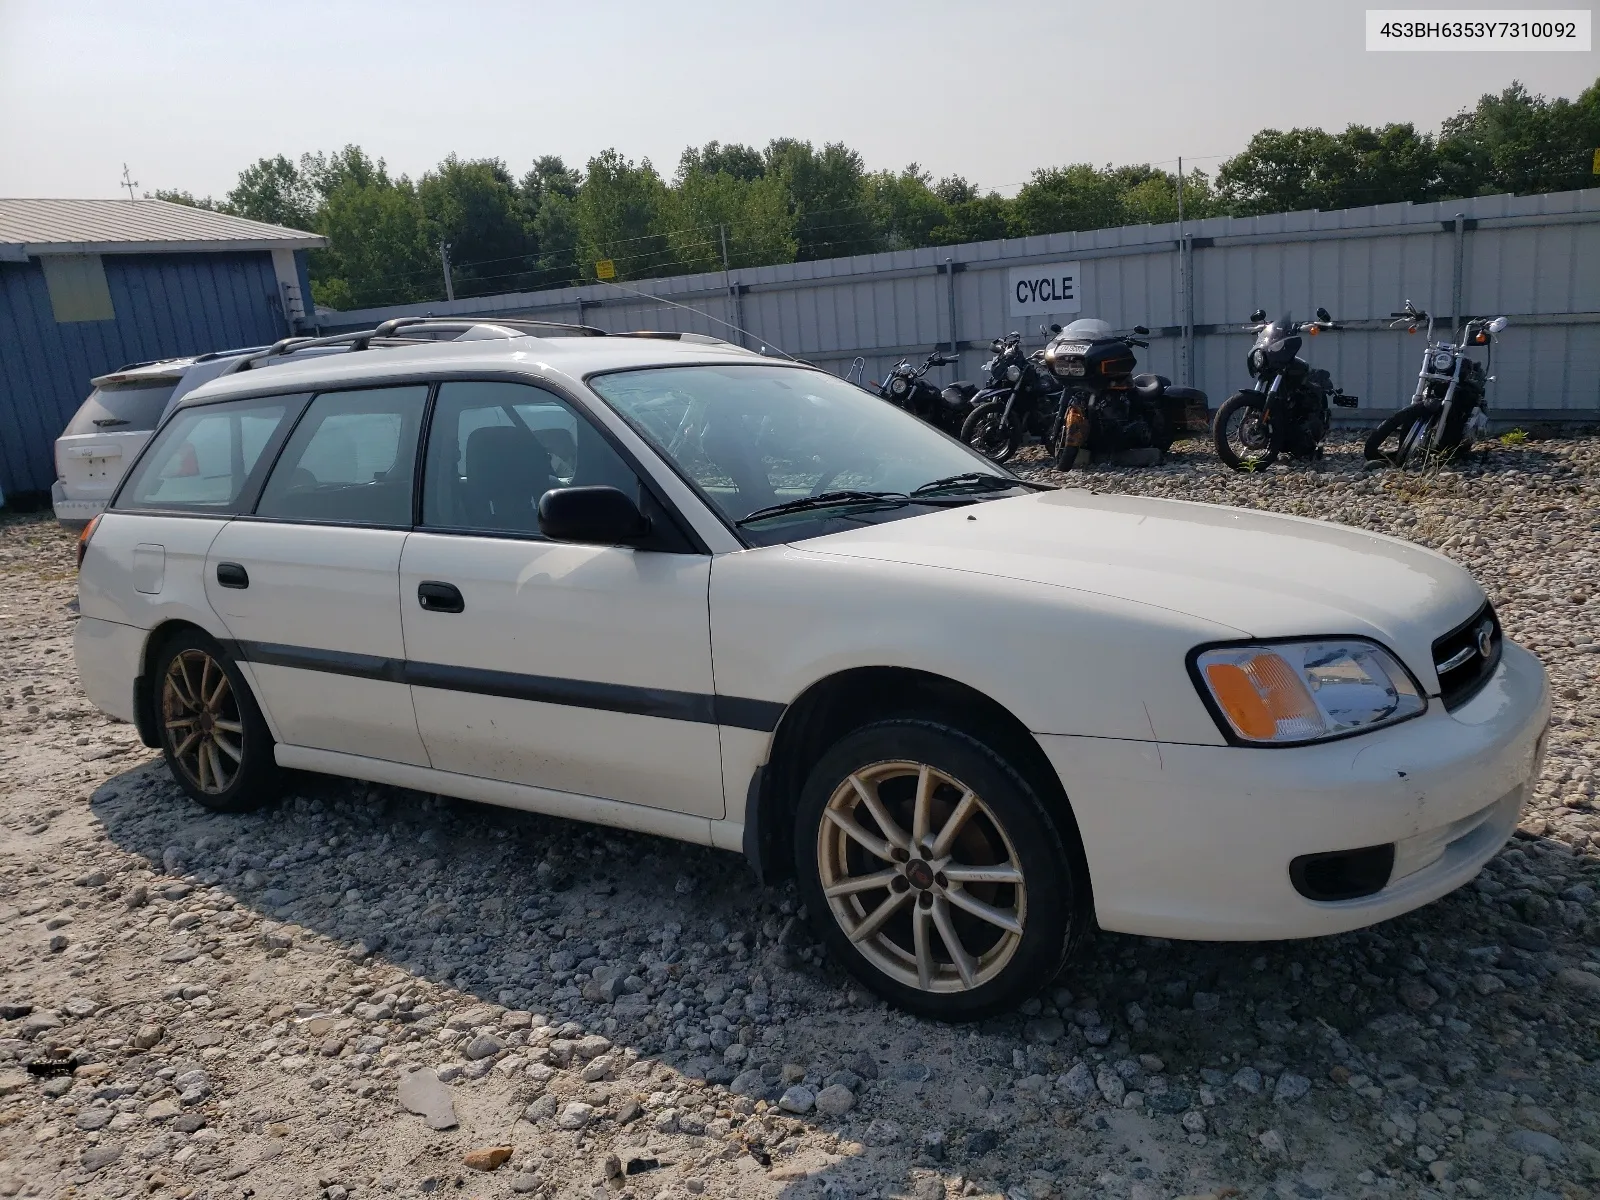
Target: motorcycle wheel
{"points": [[987, 432], [1399, 438], [1239, 434]]}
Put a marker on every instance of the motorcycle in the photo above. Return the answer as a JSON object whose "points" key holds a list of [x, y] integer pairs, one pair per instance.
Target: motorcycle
{"points": [[1020, 398], [906, 387], [1449, 410], [1289, 407], [1108, 409]]}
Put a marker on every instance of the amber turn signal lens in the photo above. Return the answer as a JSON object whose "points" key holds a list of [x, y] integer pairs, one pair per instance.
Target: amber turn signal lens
{"points": [[83, 539], [1240, 701], [1263, 697]]}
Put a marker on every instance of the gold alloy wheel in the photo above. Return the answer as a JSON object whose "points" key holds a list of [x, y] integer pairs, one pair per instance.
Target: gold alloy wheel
{"points": [[201, 721], [921, 876]]}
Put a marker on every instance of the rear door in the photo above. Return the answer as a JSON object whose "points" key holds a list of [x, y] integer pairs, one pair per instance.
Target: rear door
{"points": [[308, 585], [583, 669]]}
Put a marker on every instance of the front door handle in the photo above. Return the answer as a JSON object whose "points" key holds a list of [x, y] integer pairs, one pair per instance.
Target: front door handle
{"points": [[440, 597], [232, 575]]}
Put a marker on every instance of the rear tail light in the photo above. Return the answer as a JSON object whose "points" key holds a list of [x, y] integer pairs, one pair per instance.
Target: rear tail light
{"points": [[83, 539]]}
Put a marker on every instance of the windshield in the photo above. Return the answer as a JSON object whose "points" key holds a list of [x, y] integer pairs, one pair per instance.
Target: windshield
{"points": [[755, 437], [1276, 331]]}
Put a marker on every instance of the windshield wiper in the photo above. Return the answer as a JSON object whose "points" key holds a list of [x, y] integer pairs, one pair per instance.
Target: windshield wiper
{"points": [[980, 481], [825, 500]]}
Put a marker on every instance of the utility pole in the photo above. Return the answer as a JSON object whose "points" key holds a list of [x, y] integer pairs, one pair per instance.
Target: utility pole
{"points": [[128, 181], [449, 284], [735, 309], [1185, 294], [722, 232]]}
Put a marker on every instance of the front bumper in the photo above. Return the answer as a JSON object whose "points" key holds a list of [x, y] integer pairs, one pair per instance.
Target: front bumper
{"points": [[1192, 841]]}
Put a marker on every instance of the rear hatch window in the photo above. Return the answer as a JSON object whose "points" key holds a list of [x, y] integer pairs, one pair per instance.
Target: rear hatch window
{"points": [[132, 407]]}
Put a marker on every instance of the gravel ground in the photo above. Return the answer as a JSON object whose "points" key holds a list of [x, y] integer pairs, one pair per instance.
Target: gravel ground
{"points": [[365, 991]]}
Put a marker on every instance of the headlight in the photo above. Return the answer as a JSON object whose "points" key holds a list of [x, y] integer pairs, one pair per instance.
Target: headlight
{"points": [[1288, 693], [1442, 361], [1258, 356], [898, 386], [1013, 372]]}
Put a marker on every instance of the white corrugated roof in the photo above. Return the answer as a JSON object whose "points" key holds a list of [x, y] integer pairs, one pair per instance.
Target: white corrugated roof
{"points": [[30, 227]]}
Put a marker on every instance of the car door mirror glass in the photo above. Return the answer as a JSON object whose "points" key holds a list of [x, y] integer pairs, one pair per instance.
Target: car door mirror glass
{"points": [[602, 516]]}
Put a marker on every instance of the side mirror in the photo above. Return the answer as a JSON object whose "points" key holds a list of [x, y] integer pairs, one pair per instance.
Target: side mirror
{"points": [[596, 516], [1140, 329], [1496, 325], [1260, 314], [1055, 327], [1322, 315]]}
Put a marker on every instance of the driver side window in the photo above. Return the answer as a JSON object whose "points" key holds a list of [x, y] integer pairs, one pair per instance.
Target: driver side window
{"points": [[495, 448]]}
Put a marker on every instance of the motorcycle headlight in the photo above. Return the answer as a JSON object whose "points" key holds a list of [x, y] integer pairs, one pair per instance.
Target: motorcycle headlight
{"points": [[1442, 360], [1291, 693], [1258, 356], [898, 386], [1013, 372]]}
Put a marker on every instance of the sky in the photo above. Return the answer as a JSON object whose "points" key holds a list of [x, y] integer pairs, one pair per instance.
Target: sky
{"points": [[187, 94]]}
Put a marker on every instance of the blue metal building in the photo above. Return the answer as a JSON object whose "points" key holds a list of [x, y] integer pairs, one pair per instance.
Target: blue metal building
{"points": [[87, 286]]}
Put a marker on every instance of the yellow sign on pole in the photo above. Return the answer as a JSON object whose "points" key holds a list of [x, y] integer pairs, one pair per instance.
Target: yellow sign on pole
{"points": [[605, 269], [1596, 164]]}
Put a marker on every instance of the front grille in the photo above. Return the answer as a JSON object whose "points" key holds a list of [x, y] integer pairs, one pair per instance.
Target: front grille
{"points": [[1459, 659]]}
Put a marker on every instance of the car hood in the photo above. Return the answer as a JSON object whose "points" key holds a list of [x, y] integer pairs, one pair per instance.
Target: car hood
{"points": [[1262, 574]]}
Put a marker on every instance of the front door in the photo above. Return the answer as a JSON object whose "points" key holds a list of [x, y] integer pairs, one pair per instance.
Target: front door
{"points": [[583, 669], [308, 587]]}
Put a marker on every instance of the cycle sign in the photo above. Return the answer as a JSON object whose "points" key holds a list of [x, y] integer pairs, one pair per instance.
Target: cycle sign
{"points": [[1046, 289]]}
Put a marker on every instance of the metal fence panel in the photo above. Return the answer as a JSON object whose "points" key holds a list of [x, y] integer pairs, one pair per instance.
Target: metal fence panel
{"points": [[1535, 260]]}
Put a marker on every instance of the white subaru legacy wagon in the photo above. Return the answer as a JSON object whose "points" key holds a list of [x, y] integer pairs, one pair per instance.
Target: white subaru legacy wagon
{"points": [[666, 584]]}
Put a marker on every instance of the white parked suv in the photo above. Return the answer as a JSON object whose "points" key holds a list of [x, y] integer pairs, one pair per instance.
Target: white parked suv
{"points": [[669, 585]]}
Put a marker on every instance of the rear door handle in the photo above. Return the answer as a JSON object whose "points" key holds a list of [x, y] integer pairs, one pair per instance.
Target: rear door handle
{"points": [[440, 597], [232, 575]]}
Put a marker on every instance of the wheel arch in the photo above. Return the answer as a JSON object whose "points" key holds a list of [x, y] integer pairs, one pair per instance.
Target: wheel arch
{"points": [[144, 702], [835, 705]]}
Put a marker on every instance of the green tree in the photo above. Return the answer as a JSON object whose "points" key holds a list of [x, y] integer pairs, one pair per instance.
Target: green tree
{"points": [[555, 232], [1060, 199], [904, 207], [827, 195], [1310, 168], [379, 253], [1154, 200], [753, 214], [714, 158], [474, 205], [620, 214], [273, 190], [1521, 143]]}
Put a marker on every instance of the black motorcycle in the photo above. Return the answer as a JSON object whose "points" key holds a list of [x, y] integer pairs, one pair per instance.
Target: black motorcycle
{"points": [[1107, 409], [1287, 409], [1021, 398], [1449, 410], [907, 387]]}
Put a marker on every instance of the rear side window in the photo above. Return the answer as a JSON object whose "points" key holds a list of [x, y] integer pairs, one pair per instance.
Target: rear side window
{"points": [[351, 459], [123, 408], [203, 457]]}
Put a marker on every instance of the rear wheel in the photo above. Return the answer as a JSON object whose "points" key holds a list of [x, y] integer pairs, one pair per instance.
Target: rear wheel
{"points": [[1240, 432], [1400, 439], [213, 736], [987, 431], [932, 871]]}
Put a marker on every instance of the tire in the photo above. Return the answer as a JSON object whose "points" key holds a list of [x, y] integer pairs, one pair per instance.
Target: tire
{"points": [[1256, 453], [1396, 430], [213, 736], [1034, 921], [983, 431]]}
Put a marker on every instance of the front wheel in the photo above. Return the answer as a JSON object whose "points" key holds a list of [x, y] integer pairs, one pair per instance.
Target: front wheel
{"points": [[988, 432], [1400, 438], [1240, 432], [213, 736], [932, 871]]}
